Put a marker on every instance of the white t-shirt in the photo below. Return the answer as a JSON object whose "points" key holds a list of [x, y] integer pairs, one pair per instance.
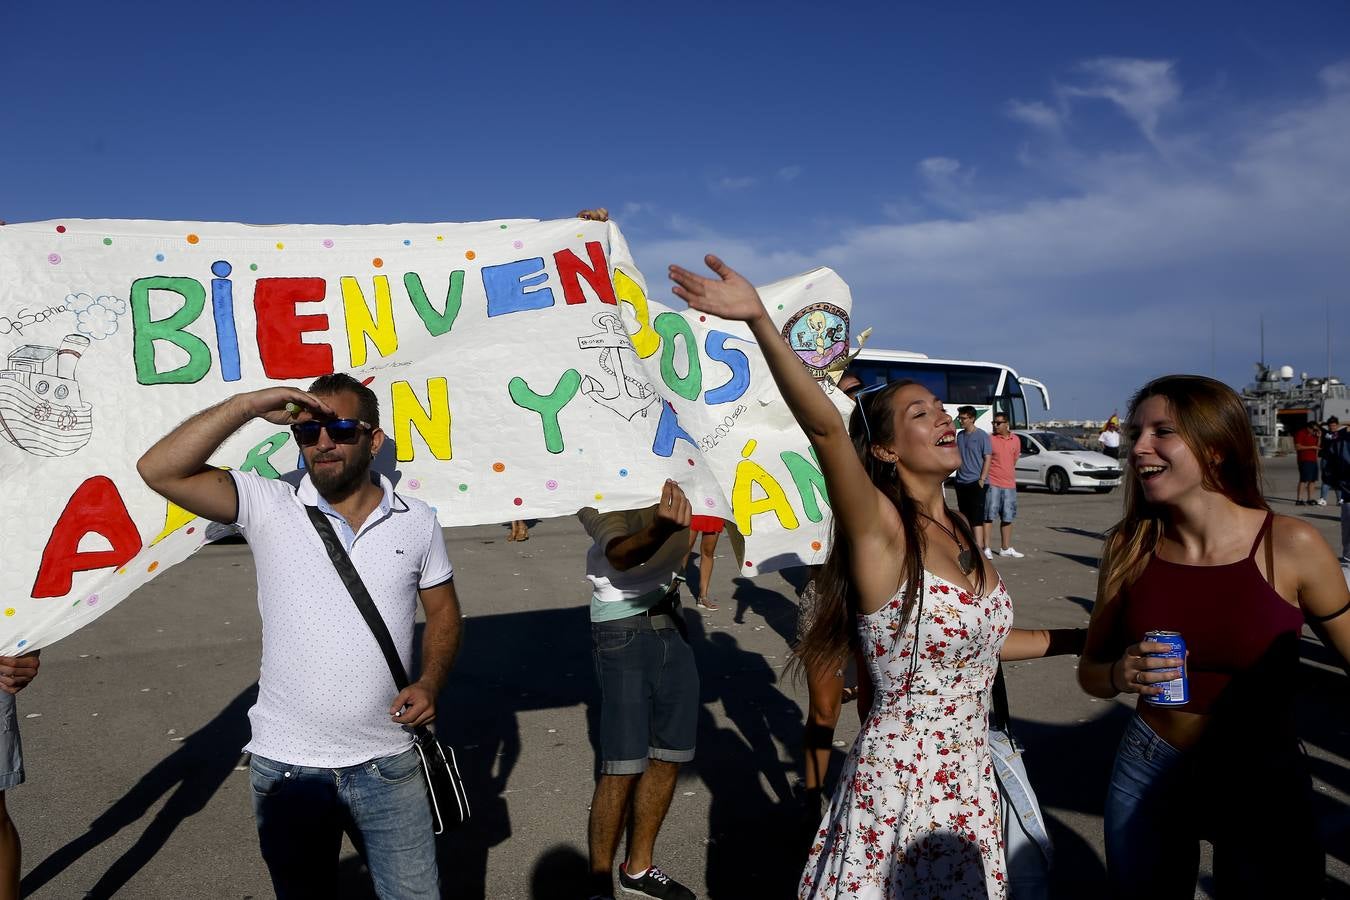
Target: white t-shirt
{"points": [[1109, 438], [324, 688], [649, 580]]}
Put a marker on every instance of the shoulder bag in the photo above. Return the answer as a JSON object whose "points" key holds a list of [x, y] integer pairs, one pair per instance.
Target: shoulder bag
{"points": [[445, 788]]}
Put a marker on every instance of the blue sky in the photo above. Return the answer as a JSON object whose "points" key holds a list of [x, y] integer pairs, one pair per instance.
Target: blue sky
{"points": [[1089, 192]]}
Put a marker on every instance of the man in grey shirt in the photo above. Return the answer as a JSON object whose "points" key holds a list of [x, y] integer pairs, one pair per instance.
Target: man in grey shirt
{"points": [[973, 476]]}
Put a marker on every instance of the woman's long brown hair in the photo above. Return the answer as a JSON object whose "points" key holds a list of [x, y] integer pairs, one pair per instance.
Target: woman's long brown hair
{"points": [[1211, 420], [832, 632]]}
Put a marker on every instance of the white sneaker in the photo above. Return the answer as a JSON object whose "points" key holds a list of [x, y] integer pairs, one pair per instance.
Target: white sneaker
{"points": [[1009, 551], [1322, 502], [988, 554]]}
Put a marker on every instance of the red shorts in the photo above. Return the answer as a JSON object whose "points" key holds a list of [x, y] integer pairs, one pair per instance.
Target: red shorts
{"points": [[707, 524]]}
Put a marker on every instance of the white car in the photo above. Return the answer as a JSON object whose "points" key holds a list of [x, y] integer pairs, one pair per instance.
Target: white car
{"points": [[1054, 461]]}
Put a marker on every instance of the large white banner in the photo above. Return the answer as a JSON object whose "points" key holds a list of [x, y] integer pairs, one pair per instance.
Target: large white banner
{"points": [[522, 369]]}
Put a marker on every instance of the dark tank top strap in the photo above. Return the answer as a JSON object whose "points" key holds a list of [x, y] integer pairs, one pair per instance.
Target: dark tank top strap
{"points": [[1265, 527]]}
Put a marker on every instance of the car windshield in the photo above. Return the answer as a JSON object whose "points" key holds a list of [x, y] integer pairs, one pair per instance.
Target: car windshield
{"points": [[1052, 440]]}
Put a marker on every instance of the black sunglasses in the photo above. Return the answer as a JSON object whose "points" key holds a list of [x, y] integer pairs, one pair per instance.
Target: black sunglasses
{"points": [[341, 431]]}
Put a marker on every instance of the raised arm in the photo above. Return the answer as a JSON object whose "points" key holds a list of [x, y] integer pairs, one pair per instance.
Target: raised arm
{"points": [[867, 518], [176, 469], [673, 513]]}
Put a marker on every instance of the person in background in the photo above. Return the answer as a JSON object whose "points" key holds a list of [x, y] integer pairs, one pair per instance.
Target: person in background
{"points": [[1307, 444], [1001, 500], [1198, 552], [1329, 435], [648, 687], [519, 530], [1109, 439], [709, 529], [16, 672], [1338, 473], [972, 479]]}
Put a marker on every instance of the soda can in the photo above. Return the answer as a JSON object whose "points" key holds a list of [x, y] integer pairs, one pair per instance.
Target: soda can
{"points": [[1177, 691]]}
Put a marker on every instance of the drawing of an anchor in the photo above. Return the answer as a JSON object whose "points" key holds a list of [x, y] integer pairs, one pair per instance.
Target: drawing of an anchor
{"points": [[622, 393]]}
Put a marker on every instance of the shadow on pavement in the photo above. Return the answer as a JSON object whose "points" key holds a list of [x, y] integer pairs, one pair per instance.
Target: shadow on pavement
{"points": [[190, 775]]}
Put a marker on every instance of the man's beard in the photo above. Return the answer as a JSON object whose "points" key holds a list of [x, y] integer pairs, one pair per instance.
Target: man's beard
{"points": [[337, 485]]}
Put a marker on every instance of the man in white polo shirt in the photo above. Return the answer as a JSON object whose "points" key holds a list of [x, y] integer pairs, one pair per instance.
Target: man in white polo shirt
{"points": [[648, 686], [330, 752]]}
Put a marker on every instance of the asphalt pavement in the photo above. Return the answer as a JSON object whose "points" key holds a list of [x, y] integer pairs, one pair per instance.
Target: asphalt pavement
{"points": [[134, 728]]}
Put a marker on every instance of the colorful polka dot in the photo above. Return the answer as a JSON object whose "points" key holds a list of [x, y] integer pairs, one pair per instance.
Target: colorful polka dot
{"points": [[518, 502], [703, 318], [152, 567], [23, 644], [220, 268], [54, 258], [280, 245], [93, 600], [503, 228], [463, 488], [469, 254], [815, 545], [193, 239], [551, 484], [413, 484], [328, 243], [440, 237], [690, 461], [107, 242], [709, 502], [499, 467], [377, 262], [749, 564], [9, 610], [407, 243], [159, 257], [60, 229], [599, 496], [253, 267], [780, 306], [191, 530], [623, 473], [517, 244]]}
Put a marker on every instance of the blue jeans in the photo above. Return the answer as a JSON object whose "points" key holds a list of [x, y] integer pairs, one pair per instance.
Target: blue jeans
{"points": [[302, 812], [1254, 807], [1000, 504]]}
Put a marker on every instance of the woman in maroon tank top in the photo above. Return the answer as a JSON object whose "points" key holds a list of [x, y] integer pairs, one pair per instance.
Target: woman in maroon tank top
{"points": [[1199, 552]]}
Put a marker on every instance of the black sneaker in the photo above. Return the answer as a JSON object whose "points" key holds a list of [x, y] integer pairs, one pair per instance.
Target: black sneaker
{"points": [[655, 884]]}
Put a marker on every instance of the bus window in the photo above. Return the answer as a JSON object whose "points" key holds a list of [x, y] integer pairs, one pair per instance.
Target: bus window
{"points": [[971, 385], [1019, 404], [872, 372]]}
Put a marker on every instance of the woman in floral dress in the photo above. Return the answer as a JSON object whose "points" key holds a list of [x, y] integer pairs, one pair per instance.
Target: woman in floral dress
{"points": [[916, 810]]}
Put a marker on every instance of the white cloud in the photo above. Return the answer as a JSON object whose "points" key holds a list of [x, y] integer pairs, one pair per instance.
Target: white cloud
{"points": [[1035, 113], [789, 173], [1144, 89], [734, 183], [1123, 264]]}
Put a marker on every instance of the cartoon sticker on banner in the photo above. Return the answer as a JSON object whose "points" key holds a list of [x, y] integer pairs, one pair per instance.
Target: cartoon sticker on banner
{"points": [[819, 335], [41, 410], [616, 389]]}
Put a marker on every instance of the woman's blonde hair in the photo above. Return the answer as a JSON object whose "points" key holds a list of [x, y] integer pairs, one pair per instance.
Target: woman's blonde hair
{"points": [[1211, 420]]}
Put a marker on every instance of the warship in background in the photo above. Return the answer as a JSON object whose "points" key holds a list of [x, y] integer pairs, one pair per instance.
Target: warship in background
{"points": [[1278, 406]]}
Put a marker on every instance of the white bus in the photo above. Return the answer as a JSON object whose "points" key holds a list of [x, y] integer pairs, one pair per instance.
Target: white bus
{"points": [[989, 387]]}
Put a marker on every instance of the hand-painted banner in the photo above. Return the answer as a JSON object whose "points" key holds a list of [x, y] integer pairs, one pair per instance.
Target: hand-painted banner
{"points": [[521, 367]]}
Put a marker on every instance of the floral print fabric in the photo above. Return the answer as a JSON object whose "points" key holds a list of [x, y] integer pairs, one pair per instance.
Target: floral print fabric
{"points": [[916, 813]]}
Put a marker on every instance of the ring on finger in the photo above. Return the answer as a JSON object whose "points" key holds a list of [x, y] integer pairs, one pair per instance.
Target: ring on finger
{"points": [[1138, 677]]}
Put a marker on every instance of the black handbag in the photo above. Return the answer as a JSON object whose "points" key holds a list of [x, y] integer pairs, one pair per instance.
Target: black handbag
{"points": [[445, 788]]}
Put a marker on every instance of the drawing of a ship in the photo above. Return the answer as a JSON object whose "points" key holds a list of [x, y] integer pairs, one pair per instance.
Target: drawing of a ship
{"points": [[41, 411]]}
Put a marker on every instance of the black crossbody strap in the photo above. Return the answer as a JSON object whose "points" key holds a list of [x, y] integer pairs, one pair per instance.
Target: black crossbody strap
{"points": [[343, 563]]}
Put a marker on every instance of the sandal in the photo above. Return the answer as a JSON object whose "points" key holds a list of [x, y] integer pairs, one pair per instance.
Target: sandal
{"points": [[707, 603], [848, 695]]}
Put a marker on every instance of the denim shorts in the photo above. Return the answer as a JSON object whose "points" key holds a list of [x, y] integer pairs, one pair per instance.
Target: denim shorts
{"points": [[1000, 504], [11, 752], [648, 694]]}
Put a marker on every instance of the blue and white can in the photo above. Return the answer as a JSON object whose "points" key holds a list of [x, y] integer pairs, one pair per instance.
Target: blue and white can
{"points": [[1177, 691]]}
